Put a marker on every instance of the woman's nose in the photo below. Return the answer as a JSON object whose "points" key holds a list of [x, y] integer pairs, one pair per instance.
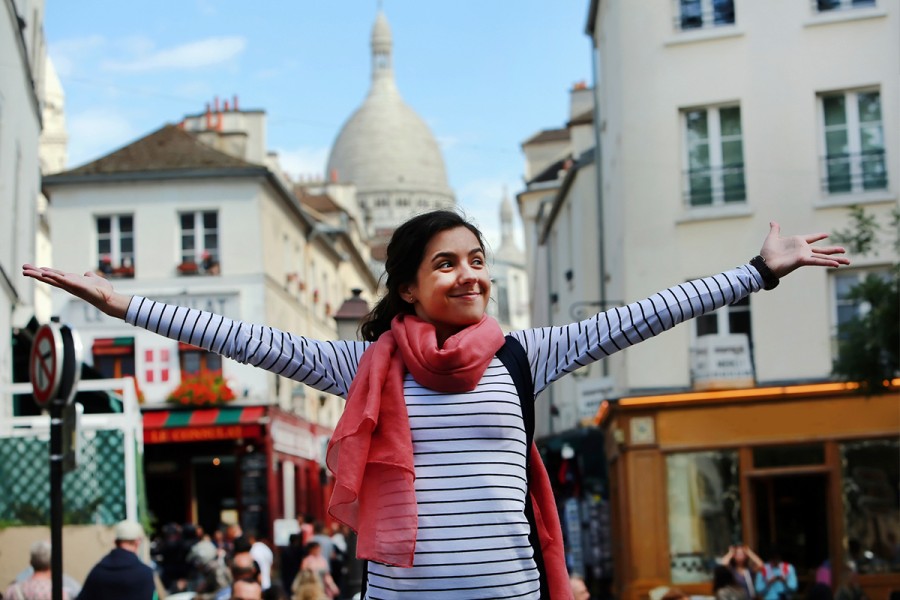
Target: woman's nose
{"points": [[466, 272]]}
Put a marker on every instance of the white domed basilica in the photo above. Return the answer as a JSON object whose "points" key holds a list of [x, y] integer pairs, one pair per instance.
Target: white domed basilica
{"points": [[388, 152]]}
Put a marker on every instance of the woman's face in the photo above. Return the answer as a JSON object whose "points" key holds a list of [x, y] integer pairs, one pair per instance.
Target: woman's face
{"points": [[452, 286], [740, 557]]}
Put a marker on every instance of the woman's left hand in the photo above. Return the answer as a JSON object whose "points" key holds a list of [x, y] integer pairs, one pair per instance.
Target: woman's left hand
{"points": [[785, 254]]}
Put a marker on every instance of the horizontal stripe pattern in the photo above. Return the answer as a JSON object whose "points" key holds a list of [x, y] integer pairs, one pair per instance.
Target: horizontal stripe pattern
{"points": [[469, 454]]}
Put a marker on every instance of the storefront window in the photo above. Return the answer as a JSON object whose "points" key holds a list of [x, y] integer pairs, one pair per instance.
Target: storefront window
{"points": [[704, 511], [871, 478]]}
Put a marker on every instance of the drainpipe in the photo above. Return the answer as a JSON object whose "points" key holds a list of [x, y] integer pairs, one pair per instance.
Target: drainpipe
{"points": [[539, 226], [598, 170]]}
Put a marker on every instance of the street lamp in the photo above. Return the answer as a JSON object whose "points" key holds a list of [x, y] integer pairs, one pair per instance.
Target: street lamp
{"points": [[350, 315]]}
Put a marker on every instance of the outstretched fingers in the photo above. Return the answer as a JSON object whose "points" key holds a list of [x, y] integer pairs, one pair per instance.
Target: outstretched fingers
{"points": [[828, 249], [811, 238]]}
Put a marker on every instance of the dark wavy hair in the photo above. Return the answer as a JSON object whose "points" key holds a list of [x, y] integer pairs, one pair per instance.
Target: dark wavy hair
{"points": [[404, 255]]}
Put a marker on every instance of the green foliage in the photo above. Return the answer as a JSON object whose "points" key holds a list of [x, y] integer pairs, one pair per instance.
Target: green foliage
{"points": [[861, 236], [869, 343]]}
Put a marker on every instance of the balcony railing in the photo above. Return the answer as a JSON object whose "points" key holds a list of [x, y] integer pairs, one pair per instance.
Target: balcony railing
{"points": [[714, 185], [847, 173]]}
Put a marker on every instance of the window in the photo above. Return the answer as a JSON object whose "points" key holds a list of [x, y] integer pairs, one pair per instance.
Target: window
{"points": [[715, 156], [847, 308], [200, 243], [870, 471], [704, 511], [194, 361], [699, 14], [114, 357], [827, 5], [854, 142], [115, 245], [734, 318]]}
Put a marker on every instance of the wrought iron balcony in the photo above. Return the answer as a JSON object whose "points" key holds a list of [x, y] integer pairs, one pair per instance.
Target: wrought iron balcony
{"points": [[848, 173]]}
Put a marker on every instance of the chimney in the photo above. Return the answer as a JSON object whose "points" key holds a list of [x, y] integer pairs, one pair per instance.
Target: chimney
{"points": [[216, 104], [226, 106], [334, 176], [235, 102], [208, 116]]}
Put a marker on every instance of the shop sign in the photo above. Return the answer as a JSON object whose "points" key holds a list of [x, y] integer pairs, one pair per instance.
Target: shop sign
{"points": [[721, 362], [295, 441], [201, 434], [592, 391]]}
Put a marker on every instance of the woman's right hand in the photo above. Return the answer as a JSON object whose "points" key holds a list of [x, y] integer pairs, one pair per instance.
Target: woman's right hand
{"points": [[90, 287]]}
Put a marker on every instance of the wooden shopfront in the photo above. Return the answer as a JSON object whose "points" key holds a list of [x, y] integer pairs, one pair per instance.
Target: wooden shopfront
{"points": [[812, 471]]}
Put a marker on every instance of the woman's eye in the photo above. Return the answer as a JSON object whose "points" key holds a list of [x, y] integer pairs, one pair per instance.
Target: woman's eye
{"points": [[479, 262], [444, 264]]}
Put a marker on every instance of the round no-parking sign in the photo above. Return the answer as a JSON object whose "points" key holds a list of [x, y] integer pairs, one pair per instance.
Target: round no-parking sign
{"points": [[45, 365]]}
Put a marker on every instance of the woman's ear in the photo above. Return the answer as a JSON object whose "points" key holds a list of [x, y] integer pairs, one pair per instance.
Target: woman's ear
{"points": [[405, 291]]}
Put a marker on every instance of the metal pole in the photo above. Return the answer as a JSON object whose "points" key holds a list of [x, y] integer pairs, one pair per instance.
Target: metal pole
{"points": [[56, 500]]}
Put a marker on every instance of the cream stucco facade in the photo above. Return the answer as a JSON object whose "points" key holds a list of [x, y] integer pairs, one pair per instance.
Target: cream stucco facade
{"points": [[274, 267], [741, 106]]}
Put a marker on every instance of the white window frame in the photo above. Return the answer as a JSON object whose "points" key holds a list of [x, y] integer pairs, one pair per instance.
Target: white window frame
{"points": [[716, 166], [116, 256], [843, 5], [199, 236], [859, 275], [854, 140], [861, 308], [723, 323], [707, 14]]}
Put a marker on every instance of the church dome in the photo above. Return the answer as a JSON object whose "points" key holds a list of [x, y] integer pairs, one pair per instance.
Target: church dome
{"points": [[385, 147]]}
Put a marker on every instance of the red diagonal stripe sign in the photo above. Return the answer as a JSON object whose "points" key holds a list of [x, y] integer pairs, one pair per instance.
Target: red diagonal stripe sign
{"points": [[45, 364]]}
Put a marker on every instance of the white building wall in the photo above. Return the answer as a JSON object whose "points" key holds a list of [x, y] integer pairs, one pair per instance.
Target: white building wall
{"points": [[774, 62], [20, 128]]}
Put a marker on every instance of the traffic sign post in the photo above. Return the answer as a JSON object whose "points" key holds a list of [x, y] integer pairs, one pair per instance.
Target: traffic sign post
{"points": [[55, 369]]}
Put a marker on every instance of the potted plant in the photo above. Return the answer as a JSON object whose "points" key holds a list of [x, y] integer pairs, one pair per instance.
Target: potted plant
{"points": [[204, 389]]}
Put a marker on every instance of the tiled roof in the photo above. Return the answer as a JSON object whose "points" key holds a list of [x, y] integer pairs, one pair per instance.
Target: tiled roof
{"points": [[169, 148], [548, 135], [322, 203]]}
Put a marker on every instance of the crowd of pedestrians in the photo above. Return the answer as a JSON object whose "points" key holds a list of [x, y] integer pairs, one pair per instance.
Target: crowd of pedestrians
{"points": [[189, 563]]}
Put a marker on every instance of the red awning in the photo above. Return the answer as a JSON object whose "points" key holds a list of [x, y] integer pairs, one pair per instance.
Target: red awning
{"points": [[205, 424]]}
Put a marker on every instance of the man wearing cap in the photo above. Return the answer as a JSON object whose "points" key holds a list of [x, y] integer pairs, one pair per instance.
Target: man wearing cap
{"points": [[121, 574]]}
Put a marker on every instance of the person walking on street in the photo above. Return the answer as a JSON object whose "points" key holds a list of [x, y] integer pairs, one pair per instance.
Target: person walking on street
{"points": [[40, 585], [121, 574]]}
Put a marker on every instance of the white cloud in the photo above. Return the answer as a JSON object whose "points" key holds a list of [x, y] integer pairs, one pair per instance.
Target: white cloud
{"points": [[96, 132], [193, 55], [303, 162], [68, 54]]}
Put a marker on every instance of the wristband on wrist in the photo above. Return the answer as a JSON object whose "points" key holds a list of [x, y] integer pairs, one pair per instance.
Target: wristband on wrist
{"points": [[770, 280]]}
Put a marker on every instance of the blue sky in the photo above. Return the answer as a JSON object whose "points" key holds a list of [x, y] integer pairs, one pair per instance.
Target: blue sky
{"points": [[484, 74]]}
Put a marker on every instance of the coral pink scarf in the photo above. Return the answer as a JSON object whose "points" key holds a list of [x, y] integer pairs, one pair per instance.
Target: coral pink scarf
{"points": [[371, 455]]}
